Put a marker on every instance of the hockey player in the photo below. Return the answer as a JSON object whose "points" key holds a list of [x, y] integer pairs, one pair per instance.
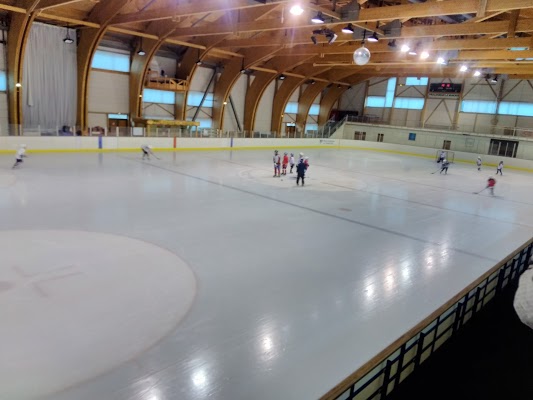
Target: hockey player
{"points": [[442, 156], [301, 157], [491, 182], [284, 164], [300, 170], [500, 168], [147, 150], [21, 153], [306, 162], [444, 167], [277, 163], [478, 163], [291, 162]]}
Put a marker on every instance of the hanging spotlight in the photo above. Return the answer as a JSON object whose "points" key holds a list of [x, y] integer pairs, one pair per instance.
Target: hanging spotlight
{"points": [[318, 19], [313, 81], [348, 29], [374, 38], [313, 39], [477, 73], [141, 52], [392, 43], [198, 62], [404, 48], [282, 77], [441, 61], [412, 52], [424, 55], [463, 68], [494, 79], [296, 10], [68, 39], [243, 70], [331, 37]]}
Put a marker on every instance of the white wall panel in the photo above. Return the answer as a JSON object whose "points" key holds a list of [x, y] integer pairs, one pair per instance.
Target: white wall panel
{"points": [[94, 119], [200, 79], [163, 63], [238, 95], [108, 92], [4, 122], [353, 99], [263, 116], [163, 111]]}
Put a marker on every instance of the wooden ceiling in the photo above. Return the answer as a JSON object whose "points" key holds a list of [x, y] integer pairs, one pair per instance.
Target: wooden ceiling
{"points": [[485, 35]]}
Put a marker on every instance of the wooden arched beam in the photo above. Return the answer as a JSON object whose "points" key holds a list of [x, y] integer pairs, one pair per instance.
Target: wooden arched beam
{"points": [[281, 99], [253, 97], [17, 38], [188, 67], [327, 102], [102, 14], [306, 101], [228, 78], [140, 64]]}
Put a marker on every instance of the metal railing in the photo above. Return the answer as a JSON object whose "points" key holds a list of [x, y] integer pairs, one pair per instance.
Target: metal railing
{"points": [[406, 355], [458, 128]]}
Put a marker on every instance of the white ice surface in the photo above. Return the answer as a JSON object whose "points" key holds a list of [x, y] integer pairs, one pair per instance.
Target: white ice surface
{"points": [[296, 287]]}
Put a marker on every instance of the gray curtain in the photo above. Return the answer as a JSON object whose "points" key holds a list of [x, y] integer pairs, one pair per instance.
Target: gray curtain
{"points": [[49, 82]]}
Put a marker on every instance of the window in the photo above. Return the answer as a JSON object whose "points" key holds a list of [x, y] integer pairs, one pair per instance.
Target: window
{"points": [[409, 102], [380, 137], [315, 109], [412, 136], [413, 81], [159, 96], [195, 98], [359, 135], [515, 108], [117, 116], [447, 144], [3, 81], [205, 123], [375, 101], [311, 127], [478, 106], [291, 108], [111, 61]]}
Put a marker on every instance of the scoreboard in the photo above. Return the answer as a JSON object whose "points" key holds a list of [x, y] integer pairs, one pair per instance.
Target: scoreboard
{"points": [[445, 88]]}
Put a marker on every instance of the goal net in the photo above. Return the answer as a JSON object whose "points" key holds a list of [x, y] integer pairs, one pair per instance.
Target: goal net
{"points": [[449, 155]]}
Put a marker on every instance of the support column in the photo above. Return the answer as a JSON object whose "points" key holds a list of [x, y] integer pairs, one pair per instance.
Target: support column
{"points": [[306, 101], [17, 39], [328, 100], [281, 99], [102, 14]]}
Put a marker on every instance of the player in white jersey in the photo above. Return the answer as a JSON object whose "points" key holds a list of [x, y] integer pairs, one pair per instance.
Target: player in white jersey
{"points": [[500, 168], [147, 150], [21, 153], [442, 156], [291, 162], [277, 164], [478, 163], [444, 167]]}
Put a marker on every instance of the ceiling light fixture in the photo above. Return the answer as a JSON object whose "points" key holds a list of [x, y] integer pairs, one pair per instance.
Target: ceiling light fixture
{"points": [[404, 48], [296, 10], [441, 61], [141, 52], [282, 77], [318, 19], [494, 79], [331, 37], [313, 39], [243, 70], [68, 39], [477, 73], [392, 44], [374, 38], [348, 29], [463, 68], [424, 55]]}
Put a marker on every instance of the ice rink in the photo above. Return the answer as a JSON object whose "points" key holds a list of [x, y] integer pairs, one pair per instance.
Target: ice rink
{"points": [[199, 275]]}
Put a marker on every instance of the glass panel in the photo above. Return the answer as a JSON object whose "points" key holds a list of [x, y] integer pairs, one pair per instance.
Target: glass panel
{"points": [[375, 101], [413, 81], [315, 109], [291, 108], [478, 106], [195, 98], [159, 96], [409, 102], [516, 108], [3, 81], [111, 61]]}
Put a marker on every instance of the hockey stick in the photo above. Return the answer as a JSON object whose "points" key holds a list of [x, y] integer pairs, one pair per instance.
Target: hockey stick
{"points": [[481, 190], [435, 172]]}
